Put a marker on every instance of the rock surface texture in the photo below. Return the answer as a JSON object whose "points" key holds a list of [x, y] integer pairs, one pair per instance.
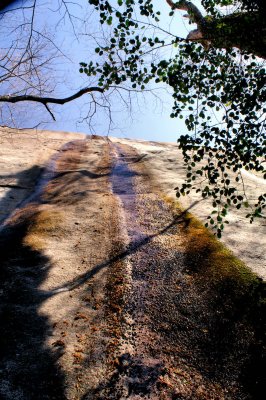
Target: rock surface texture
{"points": [[109, 290]]}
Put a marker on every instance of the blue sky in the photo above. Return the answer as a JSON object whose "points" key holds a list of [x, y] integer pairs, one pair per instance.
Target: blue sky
{"points": [[149, 117]]}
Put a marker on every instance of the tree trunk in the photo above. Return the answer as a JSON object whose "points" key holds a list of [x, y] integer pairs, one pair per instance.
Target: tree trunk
{"points": [[246, 31]]}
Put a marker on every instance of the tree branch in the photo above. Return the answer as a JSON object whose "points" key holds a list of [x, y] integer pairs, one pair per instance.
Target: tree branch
{"points": [[49, 111], [193, 11], [194, 15], [243, 30], [51, 100]]}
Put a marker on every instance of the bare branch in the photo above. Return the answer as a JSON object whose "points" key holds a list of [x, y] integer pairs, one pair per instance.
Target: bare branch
{"points": [[49, 111], [47, 100]]}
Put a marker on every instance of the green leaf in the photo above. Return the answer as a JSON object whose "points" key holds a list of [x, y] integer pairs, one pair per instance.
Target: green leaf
{"points": [[109, 20]]}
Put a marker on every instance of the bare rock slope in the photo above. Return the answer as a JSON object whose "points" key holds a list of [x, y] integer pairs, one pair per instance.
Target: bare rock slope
{"points": [[108, 289]]}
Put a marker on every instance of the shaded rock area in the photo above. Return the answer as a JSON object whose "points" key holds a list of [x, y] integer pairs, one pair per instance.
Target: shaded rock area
{"points": [[53, 275], [108, 290], [194, 331], [165, 164]]}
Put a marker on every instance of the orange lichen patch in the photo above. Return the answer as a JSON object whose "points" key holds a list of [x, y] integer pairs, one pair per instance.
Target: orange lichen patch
{"points": [[71, 155], [46, 221], [206, 255], [69, 175], [44, 224], [81, 316], [23, 214], [220, 261], [116, 289], [78, 357]]}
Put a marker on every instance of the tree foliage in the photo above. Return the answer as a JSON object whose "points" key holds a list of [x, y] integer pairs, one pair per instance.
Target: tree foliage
{"points": [[218, 87]]}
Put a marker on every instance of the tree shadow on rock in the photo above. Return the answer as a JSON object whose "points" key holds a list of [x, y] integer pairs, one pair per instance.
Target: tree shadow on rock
{"points": [[18, 187], [28, 368], [131, 377], [228, 311]]}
